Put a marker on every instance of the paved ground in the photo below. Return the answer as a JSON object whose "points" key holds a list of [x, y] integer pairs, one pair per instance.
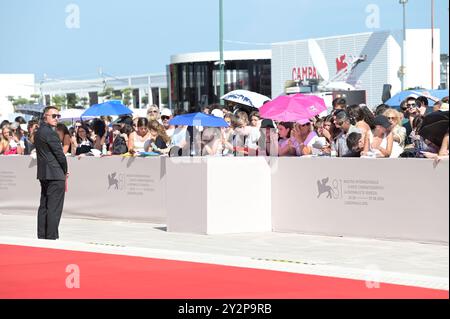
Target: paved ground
{"points": [[408, 263]]}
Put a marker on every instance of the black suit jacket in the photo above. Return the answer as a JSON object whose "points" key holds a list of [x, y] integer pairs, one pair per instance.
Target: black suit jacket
{"points": [[51, 161]]}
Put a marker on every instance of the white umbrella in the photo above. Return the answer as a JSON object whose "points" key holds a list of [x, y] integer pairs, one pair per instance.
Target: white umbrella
{"points": [[246, 97], [73, 115], [139, 113]]}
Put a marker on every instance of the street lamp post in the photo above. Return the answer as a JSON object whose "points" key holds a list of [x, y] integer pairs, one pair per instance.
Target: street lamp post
{"points": [[403, 68], [432, 44], [222, 62]]}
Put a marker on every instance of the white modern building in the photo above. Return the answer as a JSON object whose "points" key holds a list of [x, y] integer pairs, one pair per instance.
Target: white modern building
{"points": [[147, 88], [326, 59], [15, 85]]}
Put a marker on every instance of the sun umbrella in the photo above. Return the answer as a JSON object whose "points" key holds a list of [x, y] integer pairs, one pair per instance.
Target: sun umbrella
{"points": [[73, 115], [139, 112], [198, 119], [434, 127], [398, 98], [245, 97], [291, 108], [107, 108]]}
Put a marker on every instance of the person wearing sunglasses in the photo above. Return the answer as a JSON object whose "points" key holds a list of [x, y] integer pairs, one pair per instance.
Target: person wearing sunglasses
{"points": [[153, 113], [9, 141], [344, 123], [399, 132], [166, 116], [52, 172], [302, 135], [381, 140], [410, 112]]}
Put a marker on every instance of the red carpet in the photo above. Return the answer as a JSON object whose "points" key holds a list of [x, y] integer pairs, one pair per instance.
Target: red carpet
{"points": [[27, 272]]}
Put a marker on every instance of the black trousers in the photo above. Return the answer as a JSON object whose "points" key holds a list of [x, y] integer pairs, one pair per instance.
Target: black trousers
{"points": [[50, 209]]}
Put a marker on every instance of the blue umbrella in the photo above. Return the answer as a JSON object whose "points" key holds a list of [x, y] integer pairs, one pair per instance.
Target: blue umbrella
{"points": [[199, 119], [398, 98], [107, 108]]}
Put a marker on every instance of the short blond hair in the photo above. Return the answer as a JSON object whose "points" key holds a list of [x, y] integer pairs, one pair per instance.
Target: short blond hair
{"points": [[394, 113]]}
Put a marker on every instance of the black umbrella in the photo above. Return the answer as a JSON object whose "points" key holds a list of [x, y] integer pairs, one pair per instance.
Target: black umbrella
{"points": [[434, 127]]}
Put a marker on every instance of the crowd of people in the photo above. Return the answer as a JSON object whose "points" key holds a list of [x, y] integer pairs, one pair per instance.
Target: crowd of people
{"points": [[349, 131]]}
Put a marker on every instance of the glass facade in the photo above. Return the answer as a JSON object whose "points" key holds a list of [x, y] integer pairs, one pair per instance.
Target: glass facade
{"points": [[197, 84]]}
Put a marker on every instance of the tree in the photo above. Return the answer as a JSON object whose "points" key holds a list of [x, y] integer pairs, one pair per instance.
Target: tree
{"points": [[16, 101], [84, 101], [107, 93], [145, 99], [36, 97], [59, 101], [72, 100], [20, 101], [127, 98]]}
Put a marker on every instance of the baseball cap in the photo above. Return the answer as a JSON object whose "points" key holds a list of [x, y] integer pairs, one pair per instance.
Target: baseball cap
{"points": [[24, 127], [444, 107], [413, 95], [217, 113], [166, 112], [303, 121], [267, 124]]}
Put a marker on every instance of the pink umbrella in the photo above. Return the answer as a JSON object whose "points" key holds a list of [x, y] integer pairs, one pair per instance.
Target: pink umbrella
{"points": [[292, 108]]}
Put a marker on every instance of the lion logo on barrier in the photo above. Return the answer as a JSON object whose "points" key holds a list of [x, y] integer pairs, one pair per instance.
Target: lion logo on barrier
{"points": [[323, 188], [113, 181]]}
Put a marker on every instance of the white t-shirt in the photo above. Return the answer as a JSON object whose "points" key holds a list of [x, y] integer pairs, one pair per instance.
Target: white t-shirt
{"points": [[178, 136], [170, 132], [253, 137]]}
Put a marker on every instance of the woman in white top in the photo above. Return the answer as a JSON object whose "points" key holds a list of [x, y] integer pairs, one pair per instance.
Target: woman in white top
{"points": [[398, 131], [380, 141], [211, 142], [251, 133], [138, 139]]}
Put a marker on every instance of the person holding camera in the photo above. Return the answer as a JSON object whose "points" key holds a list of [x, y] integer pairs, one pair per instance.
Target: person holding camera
{"points": [[9, 142]]}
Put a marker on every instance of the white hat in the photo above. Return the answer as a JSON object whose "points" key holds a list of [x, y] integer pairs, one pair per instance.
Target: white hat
{"points": [[23, 127], [444, 107], [166, 112], [217, 113]]}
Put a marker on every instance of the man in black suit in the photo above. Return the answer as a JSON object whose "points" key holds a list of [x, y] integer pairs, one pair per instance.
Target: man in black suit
{"points": [[52, 173]]}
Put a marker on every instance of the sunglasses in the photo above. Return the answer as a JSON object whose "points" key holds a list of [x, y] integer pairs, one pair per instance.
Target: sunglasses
{"points": [[54, 116], [155, 111], [411, 105], [164, 118], [391, 118]]}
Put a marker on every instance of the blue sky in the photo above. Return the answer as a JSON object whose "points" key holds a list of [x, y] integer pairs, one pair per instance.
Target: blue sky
{"points": [[139, 36]]}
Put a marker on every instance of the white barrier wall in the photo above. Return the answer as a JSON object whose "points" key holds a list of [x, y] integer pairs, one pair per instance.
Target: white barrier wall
{"points": [[218, 195], [372, 198], [110, 187]]}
